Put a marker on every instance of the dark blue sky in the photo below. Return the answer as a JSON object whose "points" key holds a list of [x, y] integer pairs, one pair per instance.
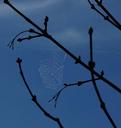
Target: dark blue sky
{"points": [[69, 23]]}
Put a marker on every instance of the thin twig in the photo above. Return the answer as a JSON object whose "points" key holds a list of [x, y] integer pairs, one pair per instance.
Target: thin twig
{"points": [[104, 16], [107, 12], [102, 103], [46, 24], [92, 65], [28, 38], [12, 43], [34, 98], [55, 98], [91, 46], [107, 16]]}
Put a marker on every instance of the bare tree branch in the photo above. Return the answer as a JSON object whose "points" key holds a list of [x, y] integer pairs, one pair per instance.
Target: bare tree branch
{"points": [[57, 95], [34, 98], [92, 65], [105, 13], [77, 59], [27, 38], [12, 43], [46, 24]]}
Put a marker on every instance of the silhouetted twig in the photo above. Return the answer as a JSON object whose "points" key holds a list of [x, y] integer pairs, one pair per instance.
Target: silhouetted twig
{"points": [[77, 59], [27, 38], [105, 13], [46, 23], [57, 95], [34, 98], [92, 65], [12, 43]]}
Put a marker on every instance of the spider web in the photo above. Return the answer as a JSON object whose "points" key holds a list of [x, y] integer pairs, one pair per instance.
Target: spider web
{"points": [[51, 69]]}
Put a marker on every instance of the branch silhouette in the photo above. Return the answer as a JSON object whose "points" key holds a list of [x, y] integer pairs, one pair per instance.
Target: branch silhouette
{"points": [[92, 65], [34, 97], [55, 98], [40, 32], [49, 37], [105, 13], [13, 43]]}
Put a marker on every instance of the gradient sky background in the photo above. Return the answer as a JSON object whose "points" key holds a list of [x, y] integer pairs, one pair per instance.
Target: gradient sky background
{"points": [[69, 23]]}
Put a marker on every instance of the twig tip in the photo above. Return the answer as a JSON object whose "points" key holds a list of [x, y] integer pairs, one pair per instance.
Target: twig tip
{"points": [[90, 30], [46, 18], [18, 60]]}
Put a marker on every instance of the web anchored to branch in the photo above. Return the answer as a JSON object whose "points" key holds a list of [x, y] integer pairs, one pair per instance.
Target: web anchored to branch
{"points": [[39, 32]]}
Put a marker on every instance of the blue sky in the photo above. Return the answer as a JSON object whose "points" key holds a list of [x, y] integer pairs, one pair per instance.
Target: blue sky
{"points": [[69, 22]]}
